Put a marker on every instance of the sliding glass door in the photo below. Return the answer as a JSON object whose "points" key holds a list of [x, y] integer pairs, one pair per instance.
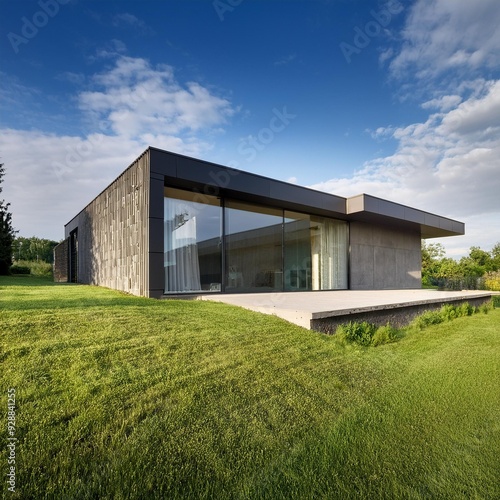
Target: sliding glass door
{"points": [[214, 245], [193, 242], [316, 252], [298, 270], [253, 247]]}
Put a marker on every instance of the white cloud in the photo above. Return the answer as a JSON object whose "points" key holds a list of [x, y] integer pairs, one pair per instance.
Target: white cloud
{"points": [[71, 77], [12, 91], [443, 35], [385, 55], [135, 105], [443, 103], [284, 61], [137, 98], [448, 165], [48, 182], [479, 115], [127, 20]]}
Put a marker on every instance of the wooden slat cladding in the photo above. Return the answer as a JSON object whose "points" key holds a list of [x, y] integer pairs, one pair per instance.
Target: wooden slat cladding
{"points": [[113, 233]]}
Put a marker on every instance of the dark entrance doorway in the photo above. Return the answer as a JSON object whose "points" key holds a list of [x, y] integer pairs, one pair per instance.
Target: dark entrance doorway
{"points": [[73, 256]]}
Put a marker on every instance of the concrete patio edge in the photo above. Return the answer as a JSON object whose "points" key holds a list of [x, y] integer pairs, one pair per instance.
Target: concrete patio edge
{"points": [[325, 310]]}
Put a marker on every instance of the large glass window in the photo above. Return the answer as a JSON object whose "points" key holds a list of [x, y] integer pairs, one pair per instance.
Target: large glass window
{"points": [[298, 274], [254, 245], [315, 252], [258, 249], [193, 241]]}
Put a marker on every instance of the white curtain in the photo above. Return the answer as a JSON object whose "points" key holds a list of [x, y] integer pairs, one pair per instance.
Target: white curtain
{"points": [[329, 255], [182, 268]]}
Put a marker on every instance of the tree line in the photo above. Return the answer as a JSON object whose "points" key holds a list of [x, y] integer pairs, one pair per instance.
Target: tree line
{"points": [[471, 271], [7, 232], [16, 249], [33, 249]]}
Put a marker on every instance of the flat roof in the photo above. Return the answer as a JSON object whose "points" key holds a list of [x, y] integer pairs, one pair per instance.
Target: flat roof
{"points": [[369, 208], [206, 177], [183, 171]]}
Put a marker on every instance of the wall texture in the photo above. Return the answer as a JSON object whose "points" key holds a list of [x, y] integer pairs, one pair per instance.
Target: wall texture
{"points": [[383, 257], [397, 317], [113, 233], [61, 261]]}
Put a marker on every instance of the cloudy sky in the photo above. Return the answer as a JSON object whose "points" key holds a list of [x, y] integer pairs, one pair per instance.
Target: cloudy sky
{"points": [[396, 99]]}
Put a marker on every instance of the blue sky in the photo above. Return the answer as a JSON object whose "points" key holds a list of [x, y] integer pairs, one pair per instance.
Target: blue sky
{"points": [[397, 99]]}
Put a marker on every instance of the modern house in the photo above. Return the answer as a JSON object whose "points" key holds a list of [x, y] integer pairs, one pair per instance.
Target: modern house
{"points": [[170, 224]]}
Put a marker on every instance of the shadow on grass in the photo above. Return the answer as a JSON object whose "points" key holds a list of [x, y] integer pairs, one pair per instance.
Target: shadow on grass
{"points": [[30, 292], [28, 280]]}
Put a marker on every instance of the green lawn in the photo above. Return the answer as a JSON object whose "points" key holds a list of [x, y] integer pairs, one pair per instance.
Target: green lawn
{"points": [[126, 397]]}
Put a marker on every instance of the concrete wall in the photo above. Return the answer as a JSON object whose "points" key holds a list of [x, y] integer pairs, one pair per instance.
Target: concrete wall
{"points": [[113, 233], [383, 257], [397, 317]]}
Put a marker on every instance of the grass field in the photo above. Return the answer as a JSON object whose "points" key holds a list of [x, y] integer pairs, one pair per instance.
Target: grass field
{"points": [[126, 397]]}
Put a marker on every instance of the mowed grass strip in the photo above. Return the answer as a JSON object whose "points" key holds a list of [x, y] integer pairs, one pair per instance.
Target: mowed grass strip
{"points": [[126, 397]]}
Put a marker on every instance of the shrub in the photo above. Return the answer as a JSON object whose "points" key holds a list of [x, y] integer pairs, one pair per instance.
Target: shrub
{"points": [[465, 309], [487, 307], [359, 333], [448, 312], [368, 334], [41, 269], [427, 282], [17, 269], [427, 318], [384, 335], [37, 268], [492, 281]]}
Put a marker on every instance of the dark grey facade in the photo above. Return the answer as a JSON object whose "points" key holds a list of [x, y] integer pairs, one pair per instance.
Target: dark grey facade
{"points": [[170, 223]]}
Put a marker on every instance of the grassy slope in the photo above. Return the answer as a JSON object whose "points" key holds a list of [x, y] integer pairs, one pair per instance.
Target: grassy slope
{"points": [[124, 397]]}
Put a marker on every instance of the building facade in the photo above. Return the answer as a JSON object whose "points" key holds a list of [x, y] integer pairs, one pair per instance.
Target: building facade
{"points": [[170, 224]]}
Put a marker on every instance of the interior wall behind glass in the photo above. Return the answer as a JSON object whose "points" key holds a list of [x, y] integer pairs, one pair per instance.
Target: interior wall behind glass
{"points": [[329, 252], [297, 273], [193, 241], [316, 252], [254, 241]]}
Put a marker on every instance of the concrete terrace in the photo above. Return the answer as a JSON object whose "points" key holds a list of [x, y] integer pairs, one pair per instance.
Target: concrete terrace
{"points": [[325, 310]]}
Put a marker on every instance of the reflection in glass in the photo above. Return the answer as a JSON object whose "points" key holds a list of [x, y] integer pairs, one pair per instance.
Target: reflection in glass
{"points": [[192, 247], [298, 274], [315, 252], [253, 248], [265, 248]]}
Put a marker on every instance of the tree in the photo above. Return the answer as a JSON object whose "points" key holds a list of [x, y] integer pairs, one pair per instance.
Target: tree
{"points": [[7, 232], [443, 271], [435, 251], [481, 258], [477, 263], [432, 255], [495, 256], [33, 248]]}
